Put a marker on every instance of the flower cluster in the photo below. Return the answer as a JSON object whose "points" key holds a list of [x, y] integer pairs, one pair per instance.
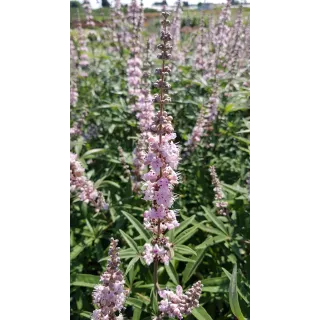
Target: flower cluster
{"points": [[110, 295], [73, 54], [144, 113], [201, 49], [135, 18], [76, 129], [222, 30], [210, 69], [117, 28], [139, 154], [179, 304], [83, 186], [197, 131], [83, 49], [177, 55], [236, 44], [88, 11], [144, 107], [219, 196], [162, 159], [213, 104], [73, 93]]}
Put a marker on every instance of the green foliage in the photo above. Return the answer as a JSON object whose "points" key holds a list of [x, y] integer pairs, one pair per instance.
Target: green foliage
{"points": [[205, 245]]}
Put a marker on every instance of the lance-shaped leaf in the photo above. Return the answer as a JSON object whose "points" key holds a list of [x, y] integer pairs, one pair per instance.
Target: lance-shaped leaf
{"points": [[180, 257], [200, 313], [241, 291], [132, 244], [211, 216], [183, 225], [85, 280], [212, 240], [191, 267], [233, 295], [172, 273], [131, 264], [185, 235], [182, 249], [138, 226]]}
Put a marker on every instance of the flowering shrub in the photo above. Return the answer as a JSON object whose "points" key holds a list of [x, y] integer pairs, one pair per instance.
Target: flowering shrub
{"points": [[163, 167]]}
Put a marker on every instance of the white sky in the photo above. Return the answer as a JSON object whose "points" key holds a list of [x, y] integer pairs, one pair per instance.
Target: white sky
{"points": [[148, 3]]}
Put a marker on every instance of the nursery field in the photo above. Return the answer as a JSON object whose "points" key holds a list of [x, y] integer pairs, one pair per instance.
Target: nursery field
{"points": [[160, 161]]}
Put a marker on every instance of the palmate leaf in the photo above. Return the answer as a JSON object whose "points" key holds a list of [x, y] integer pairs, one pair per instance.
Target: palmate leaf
{"points": [[138, 226], [233, 295], [200, 313], [191, 267]]}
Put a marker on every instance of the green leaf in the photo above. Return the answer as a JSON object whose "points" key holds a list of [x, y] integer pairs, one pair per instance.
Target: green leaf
{"points": [[200, 313], [154, 301], [92, 151], [182, 249], [172, 273], [183, 225], [138, 226], [136, 314], [209, 229], [90, 227], [211, 216], [185, 235], [86, 314], [85, 280], [131, 264], [241, 139], [218, 281], [212, 240], [132, 244], [134, 302], [233, 295], [235, 189], [180, 257], [76, 250], [192, 266], [215, 289], [241, 292], [112, 183]]}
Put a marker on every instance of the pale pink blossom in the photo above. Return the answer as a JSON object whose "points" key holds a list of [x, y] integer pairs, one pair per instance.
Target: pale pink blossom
{"points": [[110, 295]]}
